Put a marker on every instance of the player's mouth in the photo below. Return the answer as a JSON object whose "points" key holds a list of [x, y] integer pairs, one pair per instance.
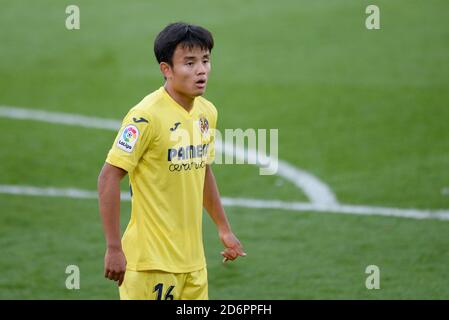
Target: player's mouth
{"points": [[201, 83]]}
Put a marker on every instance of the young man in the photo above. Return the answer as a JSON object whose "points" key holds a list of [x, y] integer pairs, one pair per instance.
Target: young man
{"points": [[166, 145]]}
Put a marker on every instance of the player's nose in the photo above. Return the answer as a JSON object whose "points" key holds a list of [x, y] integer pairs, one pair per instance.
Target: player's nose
{"points": [[202, 69]]}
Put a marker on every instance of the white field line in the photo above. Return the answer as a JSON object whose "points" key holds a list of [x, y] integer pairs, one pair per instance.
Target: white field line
{"points": [[316, 190], [59, 118], [245, 203], [54, 192], [323, 200]]}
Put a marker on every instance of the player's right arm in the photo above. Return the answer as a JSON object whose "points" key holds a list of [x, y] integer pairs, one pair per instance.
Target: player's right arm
{"points": [[109, 203], [133, 139]]}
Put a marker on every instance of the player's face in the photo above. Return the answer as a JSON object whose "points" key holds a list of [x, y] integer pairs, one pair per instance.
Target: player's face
{"points": [[190, 71]]}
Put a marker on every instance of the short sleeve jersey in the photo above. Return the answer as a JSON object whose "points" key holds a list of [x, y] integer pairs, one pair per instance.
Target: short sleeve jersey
{"points": [[165, 150]]}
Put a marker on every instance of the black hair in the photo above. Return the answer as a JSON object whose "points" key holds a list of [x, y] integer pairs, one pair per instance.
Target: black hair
{"points": [[187, 35]]}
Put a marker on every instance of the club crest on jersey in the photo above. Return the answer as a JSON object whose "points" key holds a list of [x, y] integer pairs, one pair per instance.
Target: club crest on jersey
{"points": [[204, 125], [128, 138]]}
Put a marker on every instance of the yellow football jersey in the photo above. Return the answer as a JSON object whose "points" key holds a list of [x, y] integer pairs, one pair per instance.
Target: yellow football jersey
{"points": [[165, 150]]}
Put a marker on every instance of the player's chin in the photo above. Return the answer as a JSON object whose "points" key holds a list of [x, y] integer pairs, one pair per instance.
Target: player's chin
{"points": [[199, 91]]}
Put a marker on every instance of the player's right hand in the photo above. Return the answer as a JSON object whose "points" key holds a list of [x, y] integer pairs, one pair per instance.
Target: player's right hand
{"points": [[115, 265]]}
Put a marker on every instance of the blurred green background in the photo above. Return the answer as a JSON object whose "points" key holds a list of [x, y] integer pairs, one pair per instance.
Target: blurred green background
{"points": [[365, 111]]}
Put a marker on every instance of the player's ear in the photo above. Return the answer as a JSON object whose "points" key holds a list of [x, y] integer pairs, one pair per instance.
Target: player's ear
{"points": [[166, 70]]}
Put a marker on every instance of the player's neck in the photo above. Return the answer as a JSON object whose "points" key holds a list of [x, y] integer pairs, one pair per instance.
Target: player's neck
{"points": [[184, 101]]}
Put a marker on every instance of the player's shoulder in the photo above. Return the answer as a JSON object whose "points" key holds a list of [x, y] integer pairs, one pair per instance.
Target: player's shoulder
{"points": [[207, 106], [148, 106], [150, 103]]}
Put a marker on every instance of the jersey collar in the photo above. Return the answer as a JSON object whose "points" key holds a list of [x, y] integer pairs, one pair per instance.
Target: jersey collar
{"points": [[177, 105]]}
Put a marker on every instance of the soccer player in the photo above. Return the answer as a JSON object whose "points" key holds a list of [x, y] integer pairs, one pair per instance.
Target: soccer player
{"points": [[166, 146]]}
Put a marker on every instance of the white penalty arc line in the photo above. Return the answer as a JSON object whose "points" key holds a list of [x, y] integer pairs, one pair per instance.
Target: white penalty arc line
{"points": [[245, 203], [315, 190]]}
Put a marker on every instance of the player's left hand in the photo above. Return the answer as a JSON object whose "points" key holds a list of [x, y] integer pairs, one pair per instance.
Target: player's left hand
{"points": [[233, 247]]}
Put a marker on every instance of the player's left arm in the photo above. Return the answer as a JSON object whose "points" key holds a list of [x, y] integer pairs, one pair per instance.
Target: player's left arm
{"points": [[212, 203]]}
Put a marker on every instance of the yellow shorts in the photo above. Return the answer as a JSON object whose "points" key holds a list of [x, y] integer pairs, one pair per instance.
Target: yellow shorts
{"points": [[160, 285]]}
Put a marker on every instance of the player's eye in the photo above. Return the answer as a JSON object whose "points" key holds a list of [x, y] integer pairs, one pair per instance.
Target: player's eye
{"points": [[189, 64]]}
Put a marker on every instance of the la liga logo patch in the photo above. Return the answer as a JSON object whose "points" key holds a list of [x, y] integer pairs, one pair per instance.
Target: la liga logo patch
{"points": [[128, 138], [130, 134]]}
